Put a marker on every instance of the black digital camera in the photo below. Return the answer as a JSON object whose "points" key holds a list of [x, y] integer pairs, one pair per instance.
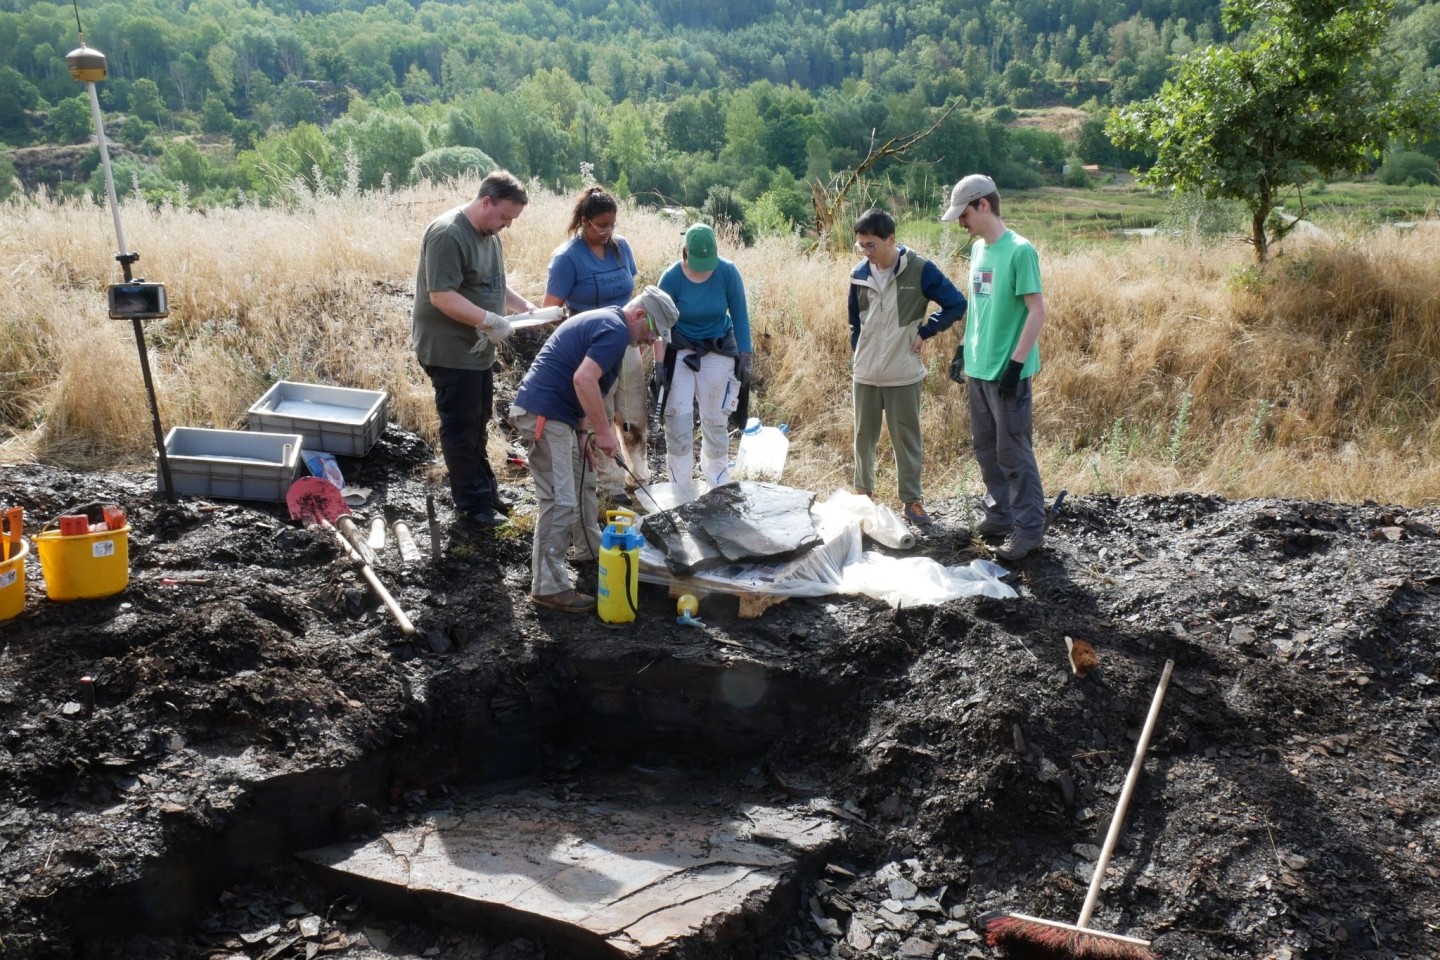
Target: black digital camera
{"points": [[137, 300]]}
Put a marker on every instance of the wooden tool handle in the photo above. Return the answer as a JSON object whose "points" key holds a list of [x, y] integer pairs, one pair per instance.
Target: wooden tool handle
{"points": [[400, 618], [1116, 821], [356, 538]]}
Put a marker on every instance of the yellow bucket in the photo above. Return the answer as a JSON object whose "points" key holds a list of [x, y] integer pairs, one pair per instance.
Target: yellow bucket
{"points": [[12, 583], [84, 566]]}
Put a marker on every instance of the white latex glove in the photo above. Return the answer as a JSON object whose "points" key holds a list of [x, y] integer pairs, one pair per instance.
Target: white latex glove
{"points": [[497, 328]]}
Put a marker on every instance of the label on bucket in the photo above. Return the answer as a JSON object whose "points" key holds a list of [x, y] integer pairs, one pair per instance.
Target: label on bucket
{"points": [[8, 578], [102, 548]]}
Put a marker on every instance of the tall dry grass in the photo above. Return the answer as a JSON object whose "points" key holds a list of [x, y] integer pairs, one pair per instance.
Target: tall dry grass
{"points": [[1167, 367]]}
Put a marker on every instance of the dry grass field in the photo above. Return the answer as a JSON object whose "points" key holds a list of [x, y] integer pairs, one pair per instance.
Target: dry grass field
{"points": [[1167, 367]]}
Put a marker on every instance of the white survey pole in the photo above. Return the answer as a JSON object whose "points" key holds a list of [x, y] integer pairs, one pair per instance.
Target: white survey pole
{"points": [[105, 163]]}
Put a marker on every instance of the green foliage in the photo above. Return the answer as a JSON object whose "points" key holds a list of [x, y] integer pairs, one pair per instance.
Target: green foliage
{"points": [[385, 143], [297, 104], [278, 161], [451, 163], [145, 101], [70, 120], [1307, 94], [182, 162], [215, 118], [1076, 175], [674, 99], [1408, 167], [1202, 220], [17, 95], [8, 182]]}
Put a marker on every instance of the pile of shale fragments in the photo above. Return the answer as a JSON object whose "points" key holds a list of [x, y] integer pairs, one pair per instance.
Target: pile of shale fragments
{"points": [[249, 701]]}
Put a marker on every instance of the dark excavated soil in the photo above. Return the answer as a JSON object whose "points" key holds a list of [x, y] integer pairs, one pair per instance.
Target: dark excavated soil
{"points": [[1290, 806]]}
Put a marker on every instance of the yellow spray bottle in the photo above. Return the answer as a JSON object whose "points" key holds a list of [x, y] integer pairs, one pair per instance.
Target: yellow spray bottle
{"points": [[617, 598]]}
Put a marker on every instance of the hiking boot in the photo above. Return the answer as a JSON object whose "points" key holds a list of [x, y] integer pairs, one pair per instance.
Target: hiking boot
{"points": [[914, 513], [570, 601], [992, 527], [484, 517], [859, 492], [1019, 545]]}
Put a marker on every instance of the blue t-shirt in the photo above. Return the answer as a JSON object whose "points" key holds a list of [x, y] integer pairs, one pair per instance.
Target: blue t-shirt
{"points": [[585, 281], [709, 309], [549, 386]]}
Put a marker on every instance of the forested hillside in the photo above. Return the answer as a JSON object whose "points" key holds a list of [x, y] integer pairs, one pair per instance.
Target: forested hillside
{"points": [[737, 105]]}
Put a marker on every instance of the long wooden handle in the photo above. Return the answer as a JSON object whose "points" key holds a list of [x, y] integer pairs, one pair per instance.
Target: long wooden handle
{"points": [[1118, 819], [374, 581], [356, 538]]}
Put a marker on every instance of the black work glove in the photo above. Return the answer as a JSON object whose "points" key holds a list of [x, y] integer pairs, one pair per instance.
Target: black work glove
{"points": [[1010, 380], [742, 368], [661, 379], [957, 364]]}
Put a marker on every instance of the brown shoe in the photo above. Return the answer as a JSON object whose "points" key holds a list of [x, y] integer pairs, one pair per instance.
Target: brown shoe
{"points": [[915, 514], [570, 601]]}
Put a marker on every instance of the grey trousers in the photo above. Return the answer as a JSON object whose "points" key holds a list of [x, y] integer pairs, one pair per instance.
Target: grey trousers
{"points": [[1002, 429], [900, 408], [565, 493]]}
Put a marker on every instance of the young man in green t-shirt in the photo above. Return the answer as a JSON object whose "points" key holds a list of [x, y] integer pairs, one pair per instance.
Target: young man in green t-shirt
{"points": [[1007, 310]]}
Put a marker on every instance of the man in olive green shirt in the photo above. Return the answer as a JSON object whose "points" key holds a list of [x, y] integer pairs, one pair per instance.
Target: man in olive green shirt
{"points": [[461, 298]]}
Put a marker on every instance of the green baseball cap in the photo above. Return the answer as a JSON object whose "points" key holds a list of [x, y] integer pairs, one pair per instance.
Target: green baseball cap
{"points": [[700, 247]]}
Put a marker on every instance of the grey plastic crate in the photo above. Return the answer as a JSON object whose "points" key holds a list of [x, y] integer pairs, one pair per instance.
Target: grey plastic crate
{"points": [[338, 420], [232, 464]]}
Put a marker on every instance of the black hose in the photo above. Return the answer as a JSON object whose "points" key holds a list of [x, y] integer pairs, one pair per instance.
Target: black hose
{"points": [[629, 569]]}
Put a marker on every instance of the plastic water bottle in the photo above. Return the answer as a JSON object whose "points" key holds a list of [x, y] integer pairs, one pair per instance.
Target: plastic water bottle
{"points": [[762, 451]]}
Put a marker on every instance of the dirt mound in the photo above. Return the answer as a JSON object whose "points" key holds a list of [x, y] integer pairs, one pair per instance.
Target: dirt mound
{"points": [[1288, 808]]}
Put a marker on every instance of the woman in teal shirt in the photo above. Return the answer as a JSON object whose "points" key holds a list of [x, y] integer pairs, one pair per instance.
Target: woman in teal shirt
{"points": [[707, 357]]}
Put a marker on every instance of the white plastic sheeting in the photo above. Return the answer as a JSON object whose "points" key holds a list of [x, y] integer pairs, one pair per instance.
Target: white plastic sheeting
{"points": [[840, 565]]}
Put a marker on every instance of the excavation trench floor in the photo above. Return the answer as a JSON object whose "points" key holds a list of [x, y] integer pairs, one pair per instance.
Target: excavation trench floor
{"points": [[634, 867], [253, 701]]}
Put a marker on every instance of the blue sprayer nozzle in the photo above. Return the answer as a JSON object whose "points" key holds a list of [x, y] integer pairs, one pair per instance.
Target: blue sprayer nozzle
{"points": [[685, 620]]}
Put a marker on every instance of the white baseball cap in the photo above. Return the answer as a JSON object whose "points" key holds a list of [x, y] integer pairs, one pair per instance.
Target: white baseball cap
{"points": [[966, 192]]}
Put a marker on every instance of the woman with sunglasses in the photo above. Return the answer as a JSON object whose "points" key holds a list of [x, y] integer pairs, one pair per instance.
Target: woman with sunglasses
{"points": [[595, 267]]}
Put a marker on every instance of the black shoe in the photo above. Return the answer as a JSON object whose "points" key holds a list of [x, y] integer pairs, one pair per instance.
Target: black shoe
{"points": [[484, 517], [500, 505]]}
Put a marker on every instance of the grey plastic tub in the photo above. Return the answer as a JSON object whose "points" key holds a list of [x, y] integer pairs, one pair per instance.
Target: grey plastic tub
{"points": [[339, 420], [232, 464]]}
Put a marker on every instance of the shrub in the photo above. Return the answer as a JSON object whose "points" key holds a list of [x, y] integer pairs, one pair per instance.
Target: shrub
{"points": [[451, 163], [1408, 167]]}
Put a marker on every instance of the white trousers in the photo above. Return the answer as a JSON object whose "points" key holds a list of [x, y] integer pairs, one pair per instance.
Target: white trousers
{"points": [[707, 388]]}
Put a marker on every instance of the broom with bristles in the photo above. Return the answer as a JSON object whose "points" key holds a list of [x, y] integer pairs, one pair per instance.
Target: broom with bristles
{"points": [[1031, 938]]}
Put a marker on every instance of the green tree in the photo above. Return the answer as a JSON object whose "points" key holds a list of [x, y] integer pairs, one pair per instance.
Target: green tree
{"points": [[214, 118], [16, 96], [145, 100], [70, 119], [1306, 94], [384, 143], [183, 163], [297, 104]]}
